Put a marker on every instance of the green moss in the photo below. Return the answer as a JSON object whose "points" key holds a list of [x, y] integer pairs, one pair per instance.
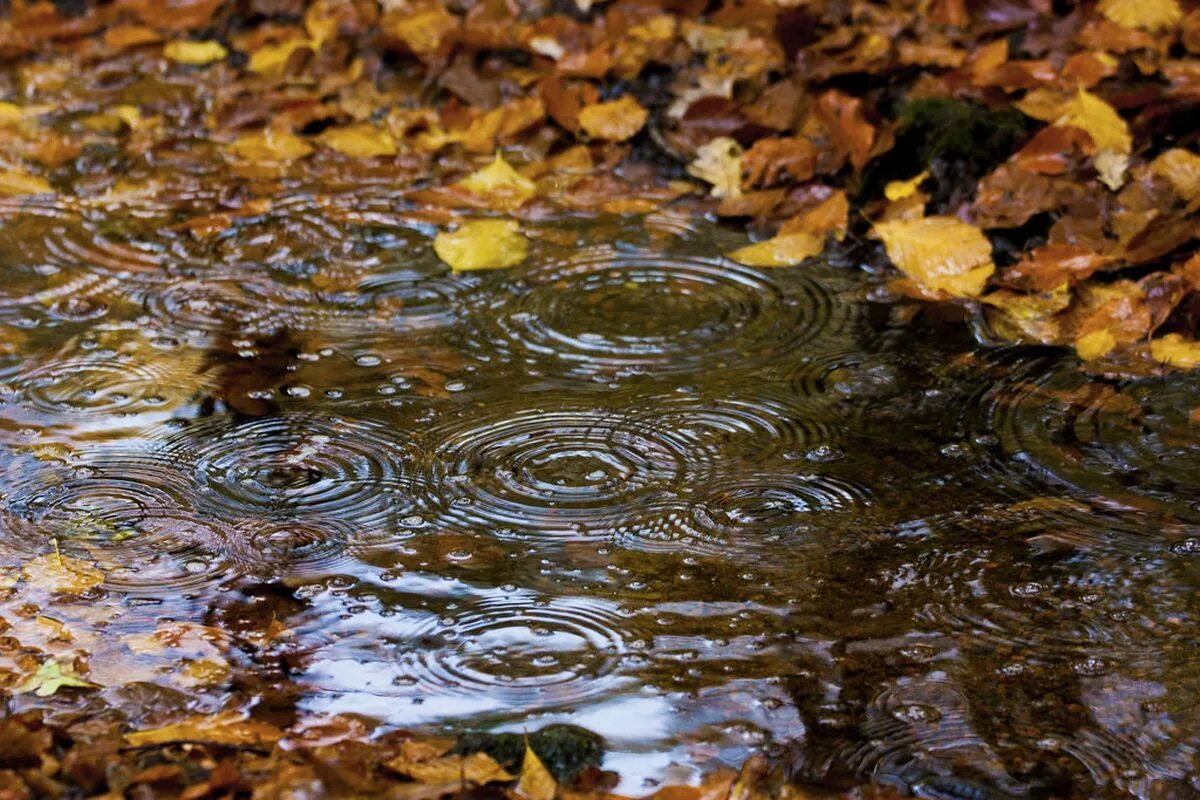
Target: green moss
{"points": [[566, 750]]}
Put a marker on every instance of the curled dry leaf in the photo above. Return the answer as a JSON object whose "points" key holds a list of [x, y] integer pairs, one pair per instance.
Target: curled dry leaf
{"points": [[720, 163], [482, 244], [614, 121], [943, 254], [195, 53]]}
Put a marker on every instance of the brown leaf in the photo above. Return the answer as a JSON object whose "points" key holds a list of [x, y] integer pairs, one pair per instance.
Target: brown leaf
{"points": [[613, 121], [230, 728]]}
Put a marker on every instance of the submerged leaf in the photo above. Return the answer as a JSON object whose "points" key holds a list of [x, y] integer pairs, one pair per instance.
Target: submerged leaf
{"points": [[482, 244], [781, 251], [59, 573], [941, 253], [55, 674]]}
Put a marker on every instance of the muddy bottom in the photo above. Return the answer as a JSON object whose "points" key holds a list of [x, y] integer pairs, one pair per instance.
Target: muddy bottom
{"points": [[701, 509]]}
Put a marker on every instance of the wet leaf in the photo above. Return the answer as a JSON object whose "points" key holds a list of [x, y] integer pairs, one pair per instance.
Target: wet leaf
{"points": [[1176, 351], [271, 59], [614, 121], [482, 244], [271, 144], [781, 251], [55, 674], [1147, 15], [901, 190], [362, 140], [720, 163], [195, 53], [63, 574], [941, 253], [500, 183], [1181, 169], [477, 768], [1096, 344], [227, 727], [536, 781], [18, 182]]}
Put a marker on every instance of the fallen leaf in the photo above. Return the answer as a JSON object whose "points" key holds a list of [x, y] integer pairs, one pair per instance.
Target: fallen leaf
{"points": [[614, 121], [1146, 15], [59, 573], [720, 163], [230, 728], [54, 674], [482, 244], [477, 768], [271, 144], [500, 183], [195, 53], [536, 781], [941, 253], [18, 182], [900, 190], [781, 251], [1095, 344], [1176, 351], [1109, 133], [361, 140], [1181, 169], [272, 58]]}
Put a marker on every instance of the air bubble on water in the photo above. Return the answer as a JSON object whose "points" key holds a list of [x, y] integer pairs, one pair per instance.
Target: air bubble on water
{"points": [[455, 386], [368, 360], [1187, 547]]}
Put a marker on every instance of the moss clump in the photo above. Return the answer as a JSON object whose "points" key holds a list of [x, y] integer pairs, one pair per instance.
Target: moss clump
{"points": [[957, 141], [566, 750]]}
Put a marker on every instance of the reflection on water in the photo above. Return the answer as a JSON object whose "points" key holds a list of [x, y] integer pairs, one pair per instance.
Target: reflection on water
{"points": [[703, 509]]}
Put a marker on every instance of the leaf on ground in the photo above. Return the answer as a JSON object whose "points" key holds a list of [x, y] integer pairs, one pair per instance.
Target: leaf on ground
{"points": [[781, 251], [55, 674], [271, 59], [17, 182], [361, 140], [196, 54], [482, 244], [1176, 351], [230, 728], [1181, 169], [1146, 15], [614, 121], [500, 183], [1095, 344], [59, 573], [830, 216], [941, 253], [899, 190], [1109, 133], [270, 145], [719, 163], [536, 781], [477, 768]]}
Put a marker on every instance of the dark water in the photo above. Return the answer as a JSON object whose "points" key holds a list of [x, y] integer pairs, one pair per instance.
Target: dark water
{"points": [[703, 509]]}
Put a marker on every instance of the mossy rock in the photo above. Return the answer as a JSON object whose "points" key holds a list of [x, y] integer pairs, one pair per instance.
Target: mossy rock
{"points": [[566, 750]]}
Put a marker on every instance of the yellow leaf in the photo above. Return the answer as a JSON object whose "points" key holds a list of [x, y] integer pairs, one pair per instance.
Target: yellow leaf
{"points": [[899, 190], [614, 121], [361, 140], [1111, 167], [940, 253], [60, 573], [1096, 344], [499, 180], [477, 768], [482, 244], [536, 781], [1101, 121], [1181, 169], [720, 163], [195, 53], [52, 675], [321, 23], [229, 728], [272, 58], [18, 182], [10, 112], [271, 144], [1146, 15], [1175, 351], [782, 251]]}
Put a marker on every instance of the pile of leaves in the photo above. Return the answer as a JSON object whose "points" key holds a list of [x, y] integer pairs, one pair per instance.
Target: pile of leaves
{"points": [[1032, 161]]}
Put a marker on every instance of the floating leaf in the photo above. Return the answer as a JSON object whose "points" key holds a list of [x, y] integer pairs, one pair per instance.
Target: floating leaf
{"points": [[271, 144], [720, 163], [195, 53], [781, 251], [59, 573], [361, 140], [614, 121], [482, 244], [55, 674], [18, 182], [230, 728], [536, 781], [1146, 15], [498, 181], [941, 253], [1176, 351]]}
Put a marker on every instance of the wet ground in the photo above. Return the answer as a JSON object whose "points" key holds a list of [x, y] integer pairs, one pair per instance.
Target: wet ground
{"points": [[702, 509]]}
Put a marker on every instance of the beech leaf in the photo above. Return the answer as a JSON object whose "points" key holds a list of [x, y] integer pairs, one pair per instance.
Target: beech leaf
{"points": [[781, 251], [482, 244], [196, 54], [720, 163], [941, 253]]}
